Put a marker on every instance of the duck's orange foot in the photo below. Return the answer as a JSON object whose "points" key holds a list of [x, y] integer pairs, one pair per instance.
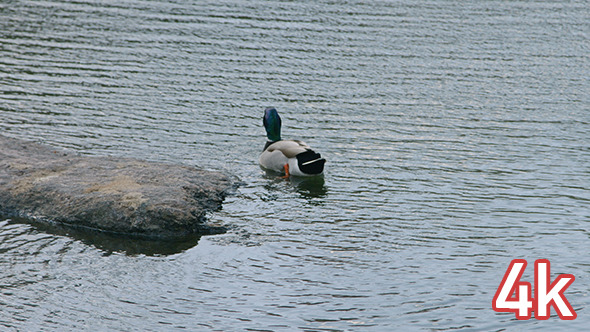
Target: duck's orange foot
{"points": [[286, 176]]}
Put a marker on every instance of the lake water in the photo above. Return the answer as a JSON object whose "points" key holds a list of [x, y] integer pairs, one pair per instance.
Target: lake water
{"points": [[457, 135]]}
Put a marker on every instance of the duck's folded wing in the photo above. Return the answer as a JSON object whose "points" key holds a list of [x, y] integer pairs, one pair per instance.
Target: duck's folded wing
{"points": [[290, 148]]}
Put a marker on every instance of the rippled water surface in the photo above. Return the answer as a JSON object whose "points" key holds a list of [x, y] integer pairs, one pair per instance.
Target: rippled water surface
{"points": [[457, 135]]}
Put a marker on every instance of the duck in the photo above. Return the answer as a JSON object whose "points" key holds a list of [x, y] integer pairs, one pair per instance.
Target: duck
{"points": [[289, 157]]}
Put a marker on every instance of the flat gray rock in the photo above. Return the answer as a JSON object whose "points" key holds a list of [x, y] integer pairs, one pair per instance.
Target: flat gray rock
{"points": [[120, 195]]}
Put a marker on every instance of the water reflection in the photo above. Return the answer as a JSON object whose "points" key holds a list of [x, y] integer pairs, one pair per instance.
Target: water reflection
{"points": [[111, 243], [312, 187], [307, 187]]}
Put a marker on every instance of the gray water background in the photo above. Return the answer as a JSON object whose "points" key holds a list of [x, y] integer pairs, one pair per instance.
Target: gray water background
{"points": [[457, 135]]}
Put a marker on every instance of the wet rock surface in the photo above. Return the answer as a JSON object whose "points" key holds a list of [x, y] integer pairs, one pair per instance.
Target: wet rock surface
{"points": [[120, 195]]}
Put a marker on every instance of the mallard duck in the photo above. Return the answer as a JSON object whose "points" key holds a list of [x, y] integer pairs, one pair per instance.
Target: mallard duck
{"points": [[291, 157]]}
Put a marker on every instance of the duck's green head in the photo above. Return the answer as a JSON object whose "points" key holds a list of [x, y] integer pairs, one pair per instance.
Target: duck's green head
{"points": [[272, 124]]}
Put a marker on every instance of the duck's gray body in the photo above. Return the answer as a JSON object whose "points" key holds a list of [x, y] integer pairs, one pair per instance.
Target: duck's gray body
{"points": [[302, 160]]}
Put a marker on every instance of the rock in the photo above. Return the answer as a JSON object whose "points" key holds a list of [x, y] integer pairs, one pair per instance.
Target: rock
{"points": [[120, 195]]}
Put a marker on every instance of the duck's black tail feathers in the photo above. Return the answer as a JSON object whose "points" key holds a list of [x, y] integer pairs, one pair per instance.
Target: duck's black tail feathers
{"points": [[310, 162]]}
